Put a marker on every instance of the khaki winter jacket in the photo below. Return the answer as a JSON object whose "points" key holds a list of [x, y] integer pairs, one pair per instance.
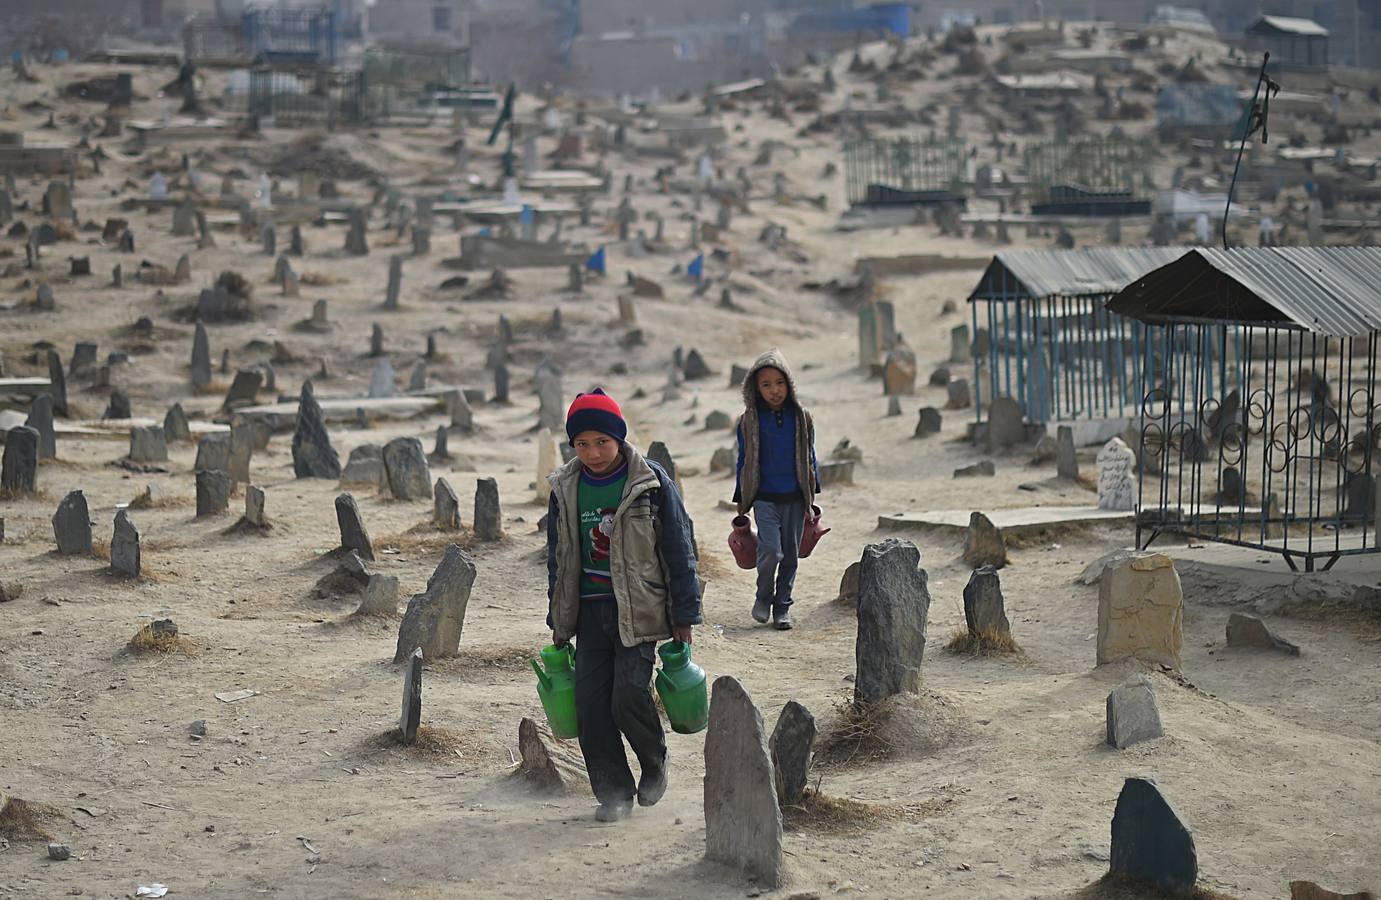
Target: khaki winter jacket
{"points": [[651, 557], [749, 471]]}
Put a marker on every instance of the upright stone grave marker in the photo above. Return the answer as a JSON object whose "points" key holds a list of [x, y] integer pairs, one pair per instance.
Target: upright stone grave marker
{"points": [[435, 618]]}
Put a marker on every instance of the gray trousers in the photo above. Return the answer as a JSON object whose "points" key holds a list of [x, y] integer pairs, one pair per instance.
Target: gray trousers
{"points": [[779, 540]]}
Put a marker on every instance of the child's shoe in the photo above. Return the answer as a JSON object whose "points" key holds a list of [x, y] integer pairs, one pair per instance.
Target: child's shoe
{"points": [[614, 812], [652, 786], [762, 611]]}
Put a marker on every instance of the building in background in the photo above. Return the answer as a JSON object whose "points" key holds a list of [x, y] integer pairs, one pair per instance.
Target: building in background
{"points": [[1292, 43], [419, 22]]}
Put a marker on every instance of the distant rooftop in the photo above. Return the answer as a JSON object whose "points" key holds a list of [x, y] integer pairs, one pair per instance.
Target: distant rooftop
{"points": [[1287, 25], [1182, 17]]}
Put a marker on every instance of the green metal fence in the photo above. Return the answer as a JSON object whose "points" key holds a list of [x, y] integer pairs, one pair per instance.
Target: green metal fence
{"points": [[877, 169], [1096, 164], [417, 68]]}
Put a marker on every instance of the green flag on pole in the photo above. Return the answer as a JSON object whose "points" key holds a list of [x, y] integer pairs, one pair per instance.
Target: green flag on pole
{"points": [[505, 116]]}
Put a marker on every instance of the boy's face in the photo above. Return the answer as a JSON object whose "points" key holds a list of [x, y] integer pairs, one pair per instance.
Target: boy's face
{"points": [[597, 451], [772, 387]]}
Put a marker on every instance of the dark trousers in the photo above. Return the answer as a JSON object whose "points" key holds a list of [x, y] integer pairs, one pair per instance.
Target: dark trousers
{"points": [[613, 701]]}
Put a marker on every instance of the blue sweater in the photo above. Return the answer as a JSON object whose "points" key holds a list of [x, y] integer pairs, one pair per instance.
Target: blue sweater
{"points": [[776, 455]]}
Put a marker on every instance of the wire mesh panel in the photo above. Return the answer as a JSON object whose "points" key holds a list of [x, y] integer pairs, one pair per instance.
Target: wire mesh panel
{"points": [[1261, 436], [896, 169], [417, 67], [1099, 165], [323, 96], [291, 35], [209, 41]]}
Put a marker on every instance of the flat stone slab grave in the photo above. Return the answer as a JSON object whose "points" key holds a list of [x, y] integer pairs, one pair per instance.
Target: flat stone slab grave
{"points": [[1015, 518], [115, 429], [32, 385], [284, 415]]}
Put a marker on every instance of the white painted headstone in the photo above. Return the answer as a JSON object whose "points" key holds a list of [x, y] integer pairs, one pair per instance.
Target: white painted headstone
{"points": [[263, 196], [1117, 476], [510, 191], [381, 383], [706, 169], [158, 187], [546, 463]]}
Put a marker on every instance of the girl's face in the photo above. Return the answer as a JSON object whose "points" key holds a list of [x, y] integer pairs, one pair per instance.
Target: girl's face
{"points": [[772, 387], [597, 451]]}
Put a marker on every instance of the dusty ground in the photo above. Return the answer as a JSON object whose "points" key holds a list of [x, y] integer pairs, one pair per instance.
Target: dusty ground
{"points": [[1006, 791]]}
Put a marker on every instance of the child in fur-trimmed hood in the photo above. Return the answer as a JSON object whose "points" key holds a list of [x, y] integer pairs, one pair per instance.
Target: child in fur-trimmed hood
{"points": [[777, 480]]}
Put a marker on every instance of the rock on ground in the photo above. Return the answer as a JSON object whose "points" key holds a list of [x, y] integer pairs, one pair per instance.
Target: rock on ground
{"points": [[984, 544], [743, 823], [1141, 611], [405, 467], [72, 525], [19, 464], [436, 617], [353, 535], [791, 745], [380, 596], [984, 611], [488, 515], [1006, 424], [124, 547], [1249, 631], [1150, 842], [411, 717], [1132, 714], [547, 763], [213, 492], [892, 607], [445, 506], [313, 455]]}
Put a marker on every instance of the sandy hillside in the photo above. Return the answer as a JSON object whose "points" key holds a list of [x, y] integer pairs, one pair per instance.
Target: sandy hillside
{"points": [[1003, 789]]}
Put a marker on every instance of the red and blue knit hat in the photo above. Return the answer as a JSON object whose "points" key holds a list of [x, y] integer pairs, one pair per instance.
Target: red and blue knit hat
{"points": [[595, 411]]}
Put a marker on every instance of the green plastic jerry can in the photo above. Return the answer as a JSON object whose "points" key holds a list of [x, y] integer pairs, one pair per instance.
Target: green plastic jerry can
{"points": [[681, 685], [556, 688]]}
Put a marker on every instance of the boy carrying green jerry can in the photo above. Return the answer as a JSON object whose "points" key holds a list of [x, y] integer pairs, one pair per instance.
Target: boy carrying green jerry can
{"points": [[620, 577]]}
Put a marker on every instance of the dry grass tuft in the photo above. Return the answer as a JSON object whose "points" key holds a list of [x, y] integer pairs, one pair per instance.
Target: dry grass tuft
{"points": [[21, 820], [712, 566], [484, 659], [434, 744], [7, 493], [100, 549], [425, 538], [145, 640], [146, 500], [901, 726], [836, 815], [989, 642], [859, 736], [1045, 535], [320, 279], [1119, 887], [244, 526]]}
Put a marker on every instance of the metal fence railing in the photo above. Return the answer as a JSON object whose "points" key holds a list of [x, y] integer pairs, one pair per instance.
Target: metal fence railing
{"points": [[895, 169]]}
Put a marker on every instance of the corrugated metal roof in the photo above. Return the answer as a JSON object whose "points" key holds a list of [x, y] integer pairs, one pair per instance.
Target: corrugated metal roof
{"points": [[1328, 290], [1037, 274], [1306, 27]]}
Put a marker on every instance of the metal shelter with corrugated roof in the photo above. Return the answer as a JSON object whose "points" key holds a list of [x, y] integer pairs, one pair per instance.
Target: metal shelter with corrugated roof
{"points": [[1298, 43], [1281, 455], [1044, 338]]}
